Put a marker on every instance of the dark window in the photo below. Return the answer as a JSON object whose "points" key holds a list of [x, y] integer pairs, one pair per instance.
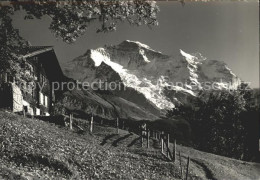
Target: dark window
{"points": [[33, 95], [23, 64], [25, 109], [10, 78]]}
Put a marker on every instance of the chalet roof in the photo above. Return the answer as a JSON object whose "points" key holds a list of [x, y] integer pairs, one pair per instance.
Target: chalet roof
{"points": [[48, 60], [34, 50]]}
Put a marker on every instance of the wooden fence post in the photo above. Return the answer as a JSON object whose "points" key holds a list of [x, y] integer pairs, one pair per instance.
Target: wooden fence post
{"points": [[117, 125], [72, 117], [174, 151], [71, 121], [187, 168], [162, 136], [148, 134], [162, 145], [168, 138], [91, 124], [142, 137], [180, 163], [167, 145]]}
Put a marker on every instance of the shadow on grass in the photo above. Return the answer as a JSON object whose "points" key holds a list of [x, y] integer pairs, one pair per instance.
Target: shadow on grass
{"points": [[157, 155], [10, 174], [134, 141], [41, 160], [209, 174], [107, 138], [120, 139]]}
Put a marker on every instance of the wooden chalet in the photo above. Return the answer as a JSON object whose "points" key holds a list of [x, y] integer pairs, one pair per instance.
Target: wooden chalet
{"points": [[45, 70]]}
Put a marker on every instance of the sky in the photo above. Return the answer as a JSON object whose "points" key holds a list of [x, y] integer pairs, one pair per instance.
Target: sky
{"points": [[226, 31]]}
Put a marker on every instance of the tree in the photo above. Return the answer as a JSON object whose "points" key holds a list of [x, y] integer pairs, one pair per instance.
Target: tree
{"points": [[216, 122], [220, 127], [11, 43], [69, 20]]}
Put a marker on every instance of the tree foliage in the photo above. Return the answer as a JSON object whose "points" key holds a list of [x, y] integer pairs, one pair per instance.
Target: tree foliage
{"points": [[219, 125], [69, 20], [222, 121]]}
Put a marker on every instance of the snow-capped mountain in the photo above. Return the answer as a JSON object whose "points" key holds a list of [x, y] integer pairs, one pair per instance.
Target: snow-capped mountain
{"points": [[163, 80]]}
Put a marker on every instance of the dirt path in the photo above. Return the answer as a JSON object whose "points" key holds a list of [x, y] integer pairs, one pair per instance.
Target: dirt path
{"points": [[202, 165]]}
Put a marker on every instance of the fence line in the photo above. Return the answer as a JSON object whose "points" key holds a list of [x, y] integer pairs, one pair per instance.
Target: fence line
{"points": [[160, 136]]}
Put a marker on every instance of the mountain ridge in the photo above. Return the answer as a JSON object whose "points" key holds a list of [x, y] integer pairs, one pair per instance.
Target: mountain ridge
{"points": [[157, 76]]}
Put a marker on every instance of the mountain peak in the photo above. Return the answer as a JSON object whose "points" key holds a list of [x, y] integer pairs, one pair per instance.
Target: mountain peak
{"points": [[162, 79], [186, 55], [139, 44], [133, 45]]}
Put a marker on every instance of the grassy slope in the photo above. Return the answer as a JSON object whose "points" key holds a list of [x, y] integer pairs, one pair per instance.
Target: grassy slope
{"points": [[37, 149]]}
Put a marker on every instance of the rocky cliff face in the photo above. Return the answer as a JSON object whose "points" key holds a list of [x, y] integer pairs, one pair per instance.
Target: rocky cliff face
{"points": [[163, 80]]}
